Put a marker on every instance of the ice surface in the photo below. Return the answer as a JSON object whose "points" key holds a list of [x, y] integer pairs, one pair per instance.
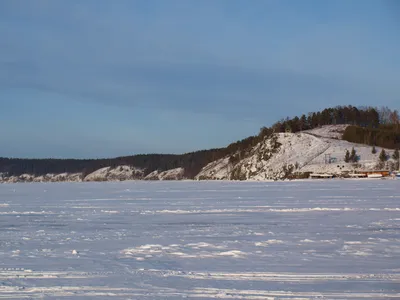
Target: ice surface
{"points": [[203, 240]]}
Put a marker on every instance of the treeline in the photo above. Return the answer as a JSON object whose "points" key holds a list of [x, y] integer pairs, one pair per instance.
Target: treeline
{"points": [[191, 162], [362, 116], [385, 136], [367, 117], [374, 126], [368, 125]]}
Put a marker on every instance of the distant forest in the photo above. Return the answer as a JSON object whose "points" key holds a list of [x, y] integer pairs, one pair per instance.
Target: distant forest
{"points": [[369, 125], [192, 162]]}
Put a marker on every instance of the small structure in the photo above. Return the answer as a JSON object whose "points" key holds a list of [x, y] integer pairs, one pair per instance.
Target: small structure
{"points": [[375, 173], [329, 159], [358, 175]]}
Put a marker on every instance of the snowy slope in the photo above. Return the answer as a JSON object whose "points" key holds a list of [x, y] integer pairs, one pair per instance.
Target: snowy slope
{"points": [[119, 173], [219, 169], [328, 131], [173, 174], [262, 164], [69, 177], [337, 149], [112, 174], [299, 152]]}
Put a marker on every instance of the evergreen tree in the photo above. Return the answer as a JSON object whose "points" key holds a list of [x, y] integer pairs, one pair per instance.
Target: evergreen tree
{"points": [[347, 156], [383, 156], [353, 155], [303, 123], [396, 155], [373, 150], [314, 120], [288, 128], [309, 121], [296, 124]]}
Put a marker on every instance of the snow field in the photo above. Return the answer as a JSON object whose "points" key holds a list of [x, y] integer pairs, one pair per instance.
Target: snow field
{"points": [[203, 240]]}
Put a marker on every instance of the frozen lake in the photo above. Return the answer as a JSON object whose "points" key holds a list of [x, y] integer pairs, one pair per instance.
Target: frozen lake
{"points": [[203, 240]]}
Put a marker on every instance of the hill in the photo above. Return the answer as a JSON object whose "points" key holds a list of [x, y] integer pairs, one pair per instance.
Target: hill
{"points": [[289, 148], [296, 155]]}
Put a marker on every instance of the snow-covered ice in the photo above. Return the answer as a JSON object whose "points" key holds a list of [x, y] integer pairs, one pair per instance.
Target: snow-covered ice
{"points": [[333, 239]]}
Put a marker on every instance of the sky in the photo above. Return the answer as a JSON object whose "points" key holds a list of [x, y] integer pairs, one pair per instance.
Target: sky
{"points": [[100, 78]]}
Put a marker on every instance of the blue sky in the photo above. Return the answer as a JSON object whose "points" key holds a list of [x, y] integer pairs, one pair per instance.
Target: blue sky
{"points": [[97, 78]]}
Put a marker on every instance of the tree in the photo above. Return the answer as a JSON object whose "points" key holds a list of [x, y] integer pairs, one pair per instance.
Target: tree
{"points": [[396, 155], [383, 156], [394, 118], [265, 132], [347, 156], [296, 124], [353, 155], [314, 121], [288, 128], [373, 150], [303, 123], [385, 115], [309, 121]]}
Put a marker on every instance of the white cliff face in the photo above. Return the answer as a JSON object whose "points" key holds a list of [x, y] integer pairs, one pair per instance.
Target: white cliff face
{"points": [[294, 152], [173, 174], [68, 177], [119, 173], [115, 174], [216, 170]]}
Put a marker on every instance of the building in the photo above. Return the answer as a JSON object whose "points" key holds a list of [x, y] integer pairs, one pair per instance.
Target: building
{"points": [[358, 175], [371, 173]]}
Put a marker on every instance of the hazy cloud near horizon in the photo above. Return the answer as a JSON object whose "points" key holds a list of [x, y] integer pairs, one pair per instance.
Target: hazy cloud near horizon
{"points": [[227, 67]]}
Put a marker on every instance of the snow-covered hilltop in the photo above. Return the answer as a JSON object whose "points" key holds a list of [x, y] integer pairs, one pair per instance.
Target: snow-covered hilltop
{"points": [[276, 156], [295, 154]]}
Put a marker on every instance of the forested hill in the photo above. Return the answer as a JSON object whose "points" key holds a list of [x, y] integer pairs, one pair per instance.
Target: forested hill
{"points": [[374, 126], [191, 162]]}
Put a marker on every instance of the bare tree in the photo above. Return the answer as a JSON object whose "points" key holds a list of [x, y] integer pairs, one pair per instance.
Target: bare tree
{"points": [[385, 115], [394, 118]]}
